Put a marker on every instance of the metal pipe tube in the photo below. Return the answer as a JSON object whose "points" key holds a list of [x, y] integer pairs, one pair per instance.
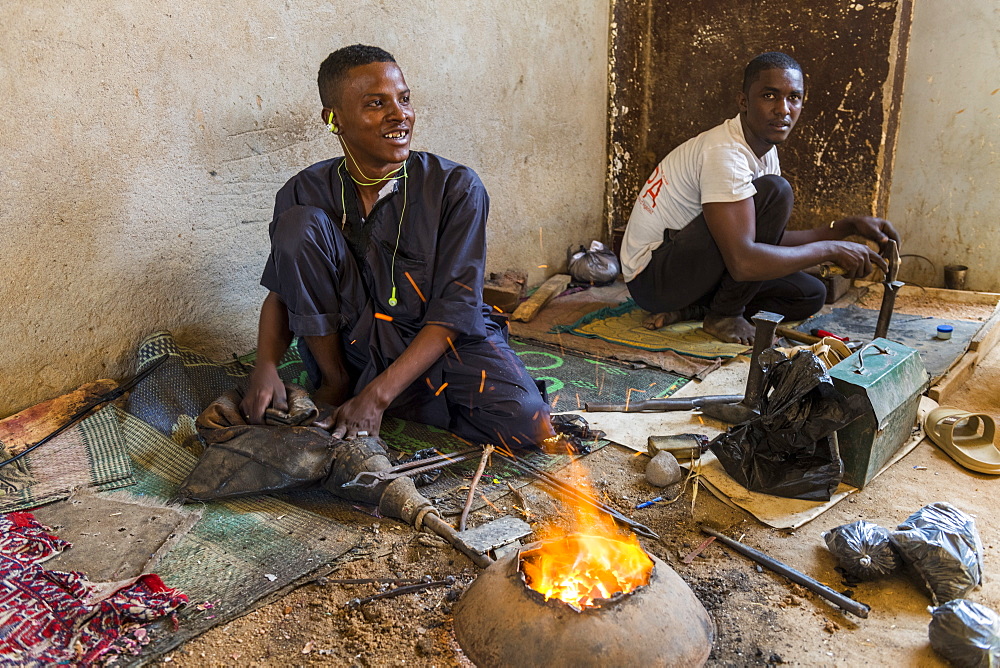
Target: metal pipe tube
{"points": [[665, 404], [849, 604]]}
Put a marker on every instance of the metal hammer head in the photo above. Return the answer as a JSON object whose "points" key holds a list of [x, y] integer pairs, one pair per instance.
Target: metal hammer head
{"points": [[766, 323]]}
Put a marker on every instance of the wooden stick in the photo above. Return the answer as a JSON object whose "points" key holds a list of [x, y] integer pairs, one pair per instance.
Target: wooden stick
{"points": [[487, 451], [549, 289]]}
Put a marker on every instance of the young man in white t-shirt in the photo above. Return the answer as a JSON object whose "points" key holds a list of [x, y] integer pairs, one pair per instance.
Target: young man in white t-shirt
{"points": [[707, 238]]}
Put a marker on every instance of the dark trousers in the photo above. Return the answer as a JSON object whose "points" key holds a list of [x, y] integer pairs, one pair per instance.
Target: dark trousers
{"points": [[479, 390], [688, 269]]}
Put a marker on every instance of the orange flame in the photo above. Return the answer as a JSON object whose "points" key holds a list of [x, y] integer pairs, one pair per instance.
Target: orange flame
{"points": [[595, 561]]}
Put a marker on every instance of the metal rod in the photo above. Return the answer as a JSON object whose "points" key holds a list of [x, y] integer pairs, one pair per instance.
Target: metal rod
{"points": [[665, 404], [358, 581], [544, 476], [399, 591], [102, 399], [849, 604], [416, 467]]}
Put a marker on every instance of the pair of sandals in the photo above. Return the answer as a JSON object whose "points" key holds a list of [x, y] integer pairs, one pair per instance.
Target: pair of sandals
{"points": [[966, 437]]}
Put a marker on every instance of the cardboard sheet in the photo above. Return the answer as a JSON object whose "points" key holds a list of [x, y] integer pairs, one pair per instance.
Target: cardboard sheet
{"points": [[633, 429]]}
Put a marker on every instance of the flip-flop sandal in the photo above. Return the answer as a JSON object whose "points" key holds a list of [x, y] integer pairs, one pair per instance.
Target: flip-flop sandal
{"points": [[966, 437]]}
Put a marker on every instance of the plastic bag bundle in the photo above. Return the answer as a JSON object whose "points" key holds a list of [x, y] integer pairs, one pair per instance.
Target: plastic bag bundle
{"points": [[943, 546], [789, 450], [966, 634], [596, 266], [863, 549]]}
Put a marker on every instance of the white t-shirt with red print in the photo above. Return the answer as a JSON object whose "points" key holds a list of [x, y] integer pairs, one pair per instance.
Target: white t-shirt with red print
{"points": [[716, 166]]}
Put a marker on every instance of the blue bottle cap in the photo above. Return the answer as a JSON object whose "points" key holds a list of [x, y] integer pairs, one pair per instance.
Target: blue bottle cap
{"points": [[945, 329]]}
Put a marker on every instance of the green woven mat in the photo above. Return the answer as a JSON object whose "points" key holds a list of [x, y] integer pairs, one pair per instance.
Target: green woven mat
{"points": [[622, 324], [239, 552], [572, 379], [172, 397], [89, 454]]}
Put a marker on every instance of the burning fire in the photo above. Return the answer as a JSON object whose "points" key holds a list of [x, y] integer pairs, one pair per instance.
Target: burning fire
{"points": [[595, 561]]}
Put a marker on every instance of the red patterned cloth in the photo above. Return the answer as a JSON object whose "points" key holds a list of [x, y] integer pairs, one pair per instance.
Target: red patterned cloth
{"points": [[49, 617]]}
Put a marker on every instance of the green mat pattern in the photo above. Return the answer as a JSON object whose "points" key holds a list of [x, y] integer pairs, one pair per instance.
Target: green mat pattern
{"points": [[239, 552], [88, 455], [623, 325], [572, 380]]}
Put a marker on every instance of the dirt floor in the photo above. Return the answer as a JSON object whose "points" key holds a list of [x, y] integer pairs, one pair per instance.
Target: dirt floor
{"points": [[761, 618]]}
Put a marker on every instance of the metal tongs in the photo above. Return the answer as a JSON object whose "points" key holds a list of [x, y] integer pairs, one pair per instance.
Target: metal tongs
{"points": [[417, 466]]}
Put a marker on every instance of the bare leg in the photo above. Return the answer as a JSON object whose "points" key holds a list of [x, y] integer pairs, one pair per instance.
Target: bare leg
{"points": [[731, 329], [334, 388]]}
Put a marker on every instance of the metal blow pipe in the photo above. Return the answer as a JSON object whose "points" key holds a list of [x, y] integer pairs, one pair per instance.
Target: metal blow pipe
{"points": [[849, 604]]}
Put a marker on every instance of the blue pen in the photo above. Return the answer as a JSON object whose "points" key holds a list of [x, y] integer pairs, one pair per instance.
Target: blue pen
{"points": [[647, 504]]}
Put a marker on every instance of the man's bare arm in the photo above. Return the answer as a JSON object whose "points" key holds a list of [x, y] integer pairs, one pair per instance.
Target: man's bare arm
{"points": [[265, 387], [733, 226], [364, 412], [878, 230]]}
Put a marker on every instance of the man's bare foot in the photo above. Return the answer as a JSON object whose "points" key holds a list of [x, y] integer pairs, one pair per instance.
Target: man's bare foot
{"points": [[731, 329], [332, 395], [658, 320]]}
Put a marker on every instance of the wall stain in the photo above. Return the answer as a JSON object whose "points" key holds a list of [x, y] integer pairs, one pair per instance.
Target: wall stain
{"points": [[678, 65]]}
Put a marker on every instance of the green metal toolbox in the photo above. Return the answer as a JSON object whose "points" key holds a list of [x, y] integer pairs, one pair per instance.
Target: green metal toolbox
{"points": [[891, 378]]}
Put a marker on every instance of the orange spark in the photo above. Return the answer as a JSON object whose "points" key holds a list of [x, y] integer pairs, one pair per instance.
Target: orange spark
{"points": [[535, 416], [555, 401], [482, 382], [498, 309], [383, 316], [578, 404], [462, 285], [354, 341], [428, 380], [516, 439], [413, 283], [543, 266], [440, 389], [638, 452], [453, 349]]}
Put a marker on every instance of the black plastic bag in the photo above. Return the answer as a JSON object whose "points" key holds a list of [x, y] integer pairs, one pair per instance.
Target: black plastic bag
{"points": [[943, 546], [597, 266], [863, 550], [789, 450], [966, 634]]}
